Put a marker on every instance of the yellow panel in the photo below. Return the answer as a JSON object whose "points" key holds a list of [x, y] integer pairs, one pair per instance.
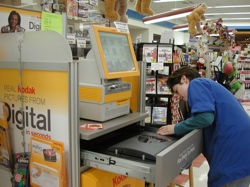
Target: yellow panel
{"points": [[117, 96], [135, 91], [90, 94], [100, 178], [123, 102]]}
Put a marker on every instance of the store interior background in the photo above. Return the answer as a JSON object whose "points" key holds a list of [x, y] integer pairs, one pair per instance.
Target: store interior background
{"points": [[239, 20], [232, 16]]}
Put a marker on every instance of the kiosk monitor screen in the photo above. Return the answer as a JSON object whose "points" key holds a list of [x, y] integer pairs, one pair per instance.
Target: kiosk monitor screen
{"points": [[114, 53]]}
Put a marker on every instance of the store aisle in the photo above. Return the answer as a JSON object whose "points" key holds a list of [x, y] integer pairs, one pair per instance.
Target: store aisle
{"points": [[200, 170]]}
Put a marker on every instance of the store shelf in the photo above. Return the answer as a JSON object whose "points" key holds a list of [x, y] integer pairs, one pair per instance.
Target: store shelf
{"points": [[110, 125], [156, 66]]}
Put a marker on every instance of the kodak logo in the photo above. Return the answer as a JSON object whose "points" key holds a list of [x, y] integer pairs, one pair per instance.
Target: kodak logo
{"points": [[118, 179], [27, 90]]}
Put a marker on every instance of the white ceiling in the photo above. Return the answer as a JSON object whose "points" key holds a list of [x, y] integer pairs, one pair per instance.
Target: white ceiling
{"points": [[167, 6]]}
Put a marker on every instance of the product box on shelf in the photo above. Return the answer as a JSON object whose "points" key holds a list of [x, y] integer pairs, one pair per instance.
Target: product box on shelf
{"points": [[148, 111], [150, 85], [159, 115]]}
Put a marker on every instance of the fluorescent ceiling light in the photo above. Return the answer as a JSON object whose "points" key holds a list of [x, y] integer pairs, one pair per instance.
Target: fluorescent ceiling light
{"points": [[184, 27], [166, 1], [236, 24], [227, 13], [169, 15], [235, 6], [181, 29], [166, 18], [236, 19], [232, 6]]}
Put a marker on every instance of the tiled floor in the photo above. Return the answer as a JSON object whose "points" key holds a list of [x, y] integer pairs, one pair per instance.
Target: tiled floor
{"points": [[200, 170]]}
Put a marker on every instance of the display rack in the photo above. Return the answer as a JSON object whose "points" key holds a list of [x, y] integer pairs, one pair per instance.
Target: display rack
{"points": [[243, 75], [49, 95], [156, 64]]}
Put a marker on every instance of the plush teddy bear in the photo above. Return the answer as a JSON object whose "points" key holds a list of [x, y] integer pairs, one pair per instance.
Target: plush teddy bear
{"points": [[143, 7], [115, 10], [194, 19]]}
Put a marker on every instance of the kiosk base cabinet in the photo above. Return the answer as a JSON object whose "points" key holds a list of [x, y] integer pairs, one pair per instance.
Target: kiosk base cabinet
{"points": [[99, 178], [168, 163]]}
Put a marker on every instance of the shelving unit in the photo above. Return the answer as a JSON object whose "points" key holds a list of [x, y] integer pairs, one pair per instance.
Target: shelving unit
{"points": [[156, 64], [78, 22], [243, 65]]}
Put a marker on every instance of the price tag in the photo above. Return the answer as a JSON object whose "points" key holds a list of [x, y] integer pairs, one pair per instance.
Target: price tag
{"points": [[156, 66], [81, 42], [93, 2], [122, 27], [71, 38]]}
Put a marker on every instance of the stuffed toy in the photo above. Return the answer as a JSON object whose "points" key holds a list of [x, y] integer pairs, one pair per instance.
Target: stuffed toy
{"points": [[200, 66], [115, 10], [200, 63], [143, 7], [211, 28], [218, 25], [222, 33], [230, 69], [193, 55], [194, 19], [202, 47]]}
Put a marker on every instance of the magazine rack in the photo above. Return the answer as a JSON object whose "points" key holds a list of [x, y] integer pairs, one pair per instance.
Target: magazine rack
{"points": [[156, 64]]}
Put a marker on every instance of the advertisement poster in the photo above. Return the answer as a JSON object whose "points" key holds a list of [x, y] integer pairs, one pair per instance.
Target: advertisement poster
{"points": [[26, 20], [45, 105]]}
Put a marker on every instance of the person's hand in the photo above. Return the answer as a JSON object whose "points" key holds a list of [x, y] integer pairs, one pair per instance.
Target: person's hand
{"points": [[18, 29], [166, 130]]}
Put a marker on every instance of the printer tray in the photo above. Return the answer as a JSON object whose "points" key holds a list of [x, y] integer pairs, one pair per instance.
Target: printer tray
{"points": [[135, 154], [145, 145]]}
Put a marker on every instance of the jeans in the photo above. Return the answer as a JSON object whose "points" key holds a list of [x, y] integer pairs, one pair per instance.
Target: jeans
{"points": [[242, 182]]}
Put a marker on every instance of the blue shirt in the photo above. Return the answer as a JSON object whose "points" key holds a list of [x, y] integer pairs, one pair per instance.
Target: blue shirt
{"points": [[227, 139]]}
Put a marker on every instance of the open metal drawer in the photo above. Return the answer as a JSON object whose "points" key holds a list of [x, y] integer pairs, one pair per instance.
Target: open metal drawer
{"points": [[168, 164]]}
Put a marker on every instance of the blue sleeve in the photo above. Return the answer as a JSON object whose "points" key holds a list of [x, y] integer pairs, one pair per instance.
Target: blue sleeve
{"points": [[200, 96], [197, 121]]}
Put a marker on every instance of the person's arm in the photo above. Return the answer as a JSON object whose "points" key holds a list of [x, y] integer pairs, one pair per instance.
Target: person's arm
{"points": [[197, 121]]}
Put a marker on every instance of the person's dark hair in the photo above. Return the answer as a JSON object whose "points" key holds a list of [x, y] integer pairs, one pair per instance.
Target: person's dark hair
{"points": [[12, 13], [175, 77]]}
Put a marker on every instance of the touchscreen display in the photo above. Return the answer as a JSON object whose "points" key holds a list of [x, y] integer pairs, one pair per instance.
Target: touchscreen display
{"points": [[117, 53]]}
